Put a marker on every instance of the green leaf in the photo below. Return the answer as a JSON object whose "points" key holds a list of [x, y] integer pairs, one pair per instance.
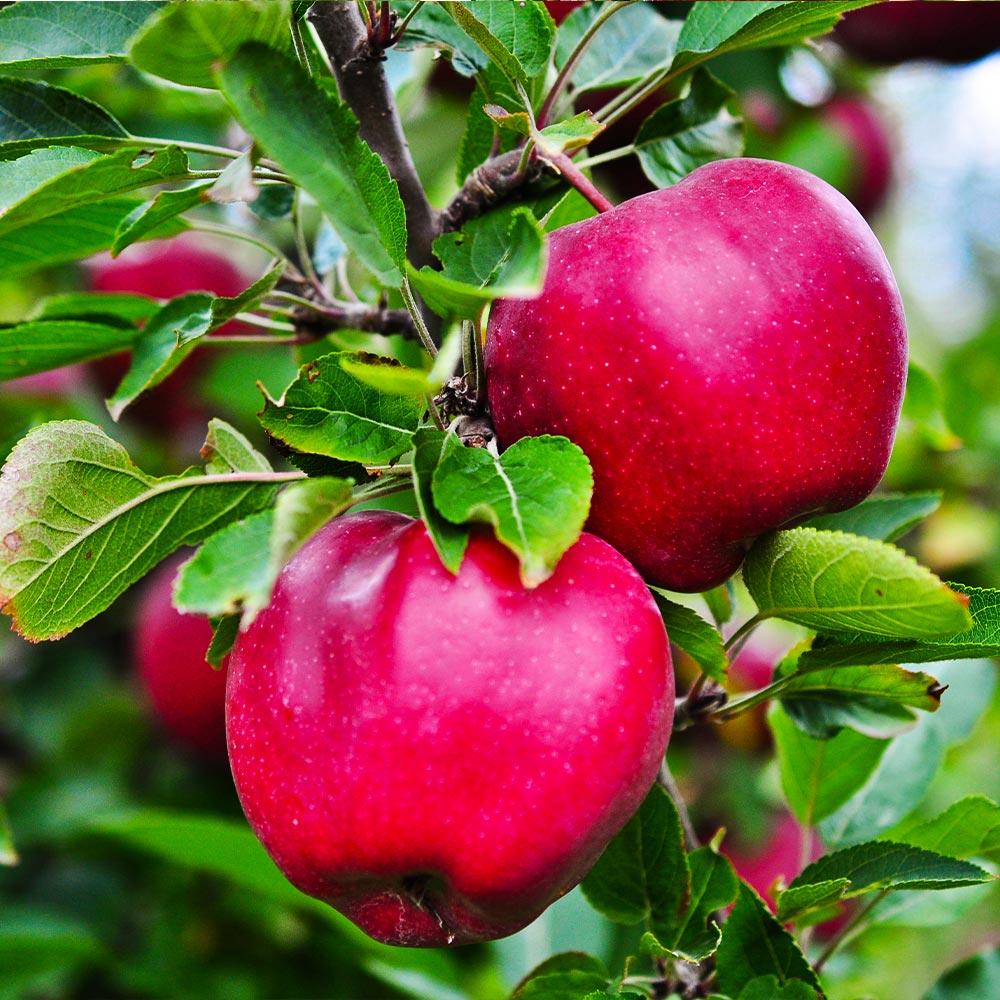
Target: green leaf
{"points": [[71, 235], [693, 130], [327, 411], [80, 523], [49, 181], [688, 630], [568, 976], [754, 944], [974, 979], [151, 215], [631, 45], [883, 864], [235, 570], [569, 135], [834, 582], [516, 36], [33, 113], [817, 776], [768, 988], [712, 28], [536, 495], [874, 700], [719, 601], [908, 767], [8, 852], [643, 874], [123, 308], [40, 345], [982, 640], [885, 517], [315, 139], [450, 540], [225, 631], [500, 254], [37, 943], [967, 828], [388, 375], [803, 900], [713, 886], [41, 34], [923, 408], [185, 41], [433, 26]]}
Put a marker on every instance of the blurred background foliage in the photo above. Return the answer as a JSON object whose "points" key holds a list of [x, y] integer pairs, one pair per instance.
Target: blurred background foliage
{"points": [[104, 908]]}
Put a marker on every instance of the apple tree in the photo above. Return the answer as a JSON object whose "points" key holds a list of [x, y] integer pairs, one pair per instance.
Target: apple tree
{"points": [[537, 411]]}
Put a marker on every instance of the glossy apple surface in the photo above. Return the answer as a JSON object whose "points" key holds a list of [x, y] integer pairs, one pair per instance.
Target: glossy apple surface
{"points": [[442, 757], [905, 30], [729, 352], [187, 695]]}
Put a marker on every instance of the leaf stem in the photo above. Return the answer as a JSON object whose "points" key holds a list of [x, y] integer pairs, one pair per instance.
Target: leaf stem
{"points": [[401, 27], [611, 154], [418, 320], [238, 234], [735, 642], [207, 150], [666, 781], [846, 931], [579, 180]]}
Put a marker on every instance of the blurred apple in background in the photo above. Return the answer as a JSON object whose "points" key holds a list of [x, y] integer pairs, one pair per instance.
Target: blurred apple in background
{"points": [[187, 694]]}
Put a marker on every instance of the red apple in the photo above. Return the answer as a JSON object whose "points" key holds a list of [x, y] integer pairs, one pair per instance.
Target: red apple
{"points": [[187, 694], [440, 757], [561, 9], [888, 33], [57, 382], [729, 352]]}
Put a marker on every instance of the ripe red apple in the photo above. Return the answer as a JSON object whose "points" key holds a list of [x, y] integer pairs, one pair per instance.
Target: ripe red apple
{"points": [[888, 33], [729, 352], [57, 382], [561, 9], [188, 695], [440, 757]]}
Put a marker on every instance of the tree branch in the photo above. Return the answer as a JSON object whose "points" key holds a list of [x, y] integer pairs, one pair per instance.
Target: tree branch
{"points": [[321, 320], [361, 79]]}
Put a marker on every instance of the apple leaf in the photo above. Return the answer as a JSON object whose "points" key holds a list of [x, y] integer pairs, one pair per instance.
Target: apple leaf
{"points": [[693, 130], [49, 181], [327, 411], [713, 887], [805, 900], [633, 44], [71, 235], [982, 640], [712, 28], [40, 34], [80, 523], [570, 134], [388, 375], [834, 582], [185, 41], [885, 517], [768, 988], [225, 631], [40, 345], [516, 36], [909, 765], [33, 113], [754, 944], [719, 601], [500, 254], [973, 979], [967, 828], [235, 570], [923, 409], [150, 215], [874, 700], [688, 630], [818, 776], [173, 332], [314, 136], [450, 540], [8, 853], [571, 974], [643, 876], [433, 27], [123, 308], [536, 495]]}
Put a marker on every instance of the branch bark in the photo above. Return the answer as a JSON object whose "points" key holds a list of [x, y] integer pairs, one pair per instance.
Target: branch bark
{"points": [[363, 86], [371, 319]]}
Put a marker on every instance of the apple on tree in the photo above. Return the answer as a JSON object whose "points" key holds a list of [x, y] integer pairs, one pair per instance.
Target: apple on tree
{"points": [[440, 757], [729, 352]]}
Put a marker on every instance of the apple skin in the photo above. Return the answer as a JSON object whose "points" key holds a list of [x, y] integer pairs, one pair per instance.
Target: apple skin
{"points": [[890, 33], [188, 696], [399, 734], [729, 352], [561, 9]]}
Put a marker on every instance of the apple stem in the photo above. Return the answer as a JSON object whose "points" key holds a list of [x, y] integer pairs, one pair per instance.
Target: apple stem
{"points": [[578, 179]]}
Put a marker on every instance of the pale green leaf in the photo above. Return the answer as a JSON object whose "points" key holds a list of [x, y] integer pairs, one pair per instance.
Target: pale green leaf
{"points": [[40, 345]]}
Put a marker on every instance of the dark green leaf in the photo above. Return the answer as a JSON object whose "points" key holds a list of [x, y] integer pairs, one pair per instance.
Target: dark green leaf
{"points": [[122, 308], [450, 540], [818, 776], [327, 411], [186, 41], [536, 495], [975, 979], [80, 522], [36, 942], [8, 852], [69, 33], [693, 130], [688, 630], [768, 988], [967, 828], [643, 874], [40, 345], [713, 886], [885, 517], [831, 581], [151, 215], [793, 904], [754, 944], [225, 631], [568, 976]]}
